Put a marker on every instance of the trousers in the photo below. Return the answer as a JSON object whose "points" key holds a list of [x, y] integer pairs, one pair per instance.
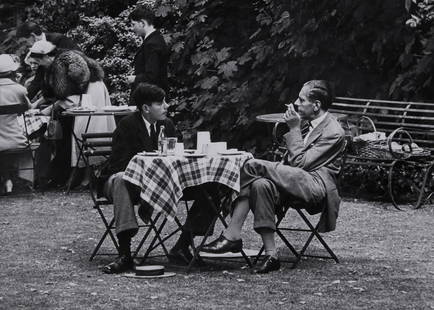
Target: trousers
{"points": [[267, 184], [124, 196]]}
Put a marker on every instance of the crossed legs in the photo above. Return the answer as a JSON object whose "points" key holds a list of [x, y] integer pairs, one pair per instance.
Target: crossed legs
{"points": [[260, 181], [263, 197]]}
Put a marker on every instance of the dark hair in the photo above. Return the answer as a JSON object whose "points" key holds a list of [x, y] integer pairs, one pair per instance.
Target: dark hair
{"points": [[322, 91], [147, 94], [142, 12], [26, 29]]}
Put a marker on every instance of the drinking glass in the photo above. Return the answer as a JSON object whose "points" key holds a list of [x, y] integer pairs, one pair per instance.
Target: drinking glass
{"points": [[171, 144]]}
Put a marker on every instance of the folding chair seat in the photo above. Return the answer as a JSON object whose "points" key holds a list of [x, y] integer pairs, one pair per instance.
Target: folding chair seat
{"points": [[100, 145]]}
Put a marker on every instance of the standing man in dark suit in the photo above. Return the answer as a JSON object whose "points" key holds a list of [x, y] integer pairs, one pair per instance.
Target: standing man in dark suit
{"points": [[137, 133], [150, 62], [309, 175]]}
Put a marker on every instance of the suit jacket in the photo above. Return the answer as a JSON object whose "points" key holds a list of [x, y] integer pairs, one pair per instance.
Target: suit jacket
{"points": [[321, 156], [150, 62], [130, 138]]}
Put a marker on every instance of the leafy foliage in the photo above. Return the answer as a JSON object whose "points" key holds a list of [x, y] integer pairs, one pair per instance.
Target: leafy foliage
{"points": [[233, 60]]}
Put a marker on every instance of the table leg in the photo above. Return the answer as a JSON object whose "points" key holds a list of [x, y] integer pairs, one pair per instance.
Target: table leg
{"points": [[218, 216], [80, 154]]}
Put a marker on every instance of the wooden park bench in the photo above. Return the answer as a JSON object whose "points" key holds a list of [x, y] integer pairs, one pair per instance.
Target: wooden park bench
{"points": [[403, 123]]}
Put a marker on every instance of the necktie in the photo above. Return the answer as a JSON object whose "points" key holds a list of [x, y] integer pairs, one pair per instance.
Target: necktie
{"points": [[305, 128], [154, 137], [308, 129]]}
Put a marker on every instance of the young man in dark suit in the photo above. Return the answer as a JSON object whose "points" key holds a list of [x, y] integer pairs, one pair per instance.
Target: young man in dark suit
{"points": [[308, 175], [137, 133], [150, 62]]}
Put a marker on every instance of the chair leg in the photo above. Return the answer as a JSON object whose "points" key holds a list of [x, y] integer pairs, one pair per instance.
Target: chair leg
{"points": [[246, 258], [218, 211], [316, 234], [258, 256], [288, 244], [161, 242], [426, 179], [282, 237], [157, 233], [109, 227], [145, 237], [202, 243]]}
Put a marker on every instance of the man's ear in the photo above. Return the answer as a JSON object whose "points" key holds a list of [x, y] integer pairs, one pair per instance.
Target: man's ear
{"points": [[317, 105], [145, 108]]}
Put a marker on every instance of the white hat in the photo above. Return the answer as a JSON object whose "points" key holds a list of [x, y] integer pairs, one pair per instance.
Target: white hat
{"points": [[7, 63], [42, 47]]}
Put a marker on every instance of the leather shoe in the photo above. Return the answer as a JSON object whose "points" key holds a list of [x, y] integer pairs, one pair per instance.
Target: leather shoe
{"points": [[121, 264], [270, 264], [223, 245], [183, 256], [180, 256]]}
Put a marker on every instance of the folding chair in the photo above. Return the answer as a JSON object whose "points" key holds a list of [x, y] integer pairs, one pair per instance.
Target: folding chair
{"points": [[311, 229], [30, 146], [97, 145]]}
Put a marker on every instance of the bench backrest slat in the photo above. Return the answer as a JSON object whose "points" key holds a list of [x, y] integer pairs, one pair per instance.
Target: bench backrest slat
{"points": [[416, 117]]}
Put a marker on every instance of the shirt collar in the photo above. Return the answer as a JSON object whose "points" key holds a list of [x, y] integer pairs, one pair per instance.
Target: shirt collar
{"points": [[148, 34], [43, 37], [147, 124], [315, 122]]}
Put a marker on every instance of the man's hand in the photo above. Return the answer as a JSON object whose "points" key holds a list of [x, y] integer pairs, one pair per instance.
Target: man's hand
{"points": [[291, 117], [130, 79]]}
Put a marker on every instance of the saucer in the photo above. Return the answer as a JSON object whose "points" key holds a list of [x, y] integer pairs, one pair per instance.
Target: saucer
{"points": [[115, 108], [150, 154], [228, 152], [194, 155]]}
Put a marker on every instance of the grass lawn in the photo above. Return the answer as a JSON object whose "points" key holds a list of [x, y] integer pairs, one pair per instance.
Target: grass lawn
{"points": [[387, 262]]}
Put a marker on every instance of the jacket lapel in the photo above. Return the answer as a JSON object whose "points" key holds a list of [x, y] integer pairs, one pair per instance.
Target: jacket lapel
{"points": [[317, 131]]}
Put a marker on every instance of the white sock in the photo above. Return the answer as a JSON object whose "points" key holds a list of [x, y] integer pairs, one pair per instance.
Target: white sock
{"points": [[272, 253], [8, 186]]}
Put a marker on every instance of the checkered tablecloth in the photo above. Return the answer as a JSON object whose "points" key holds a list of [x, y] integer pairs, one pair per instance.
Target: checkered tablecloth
{"points": [[162, 179], [35, 122]]}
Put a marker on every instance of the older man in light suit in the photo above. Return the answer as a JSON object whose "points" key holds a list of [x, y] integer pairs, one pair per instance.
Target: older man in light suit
{"points": [[308, 175]]}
